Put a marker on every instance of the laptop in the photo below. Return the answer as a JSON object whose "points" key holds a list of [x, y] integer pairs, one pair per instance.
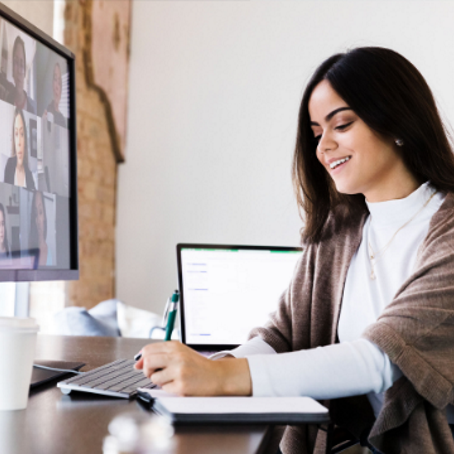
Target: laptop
{"points": [[226, 291]]}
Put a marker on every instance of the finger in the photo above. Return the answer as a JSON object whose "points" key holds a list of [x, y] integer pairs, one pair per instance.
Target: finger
{"points": [[171, 388], [151, 363], [139, 364], [156, 361], [179, 388], [162, 377]]}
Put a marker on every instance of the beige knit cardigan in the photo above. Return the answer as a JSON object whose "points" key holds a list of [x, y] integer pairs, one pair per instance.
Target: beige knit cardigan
{"points": [[416, 331]]}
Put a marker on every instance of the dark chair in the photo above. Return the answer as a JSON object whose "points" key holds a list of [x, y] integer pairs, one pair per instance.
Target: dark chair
{"points": [[338, 439]]}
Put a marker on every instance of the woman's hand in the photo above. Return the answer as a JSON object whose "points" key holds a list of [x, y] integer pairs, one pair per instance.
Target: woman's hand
{"points": [[180, 370]]}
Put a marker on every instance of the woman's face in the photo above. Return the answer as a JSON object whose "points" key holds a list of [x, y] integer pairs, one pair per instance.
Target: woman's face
{"points": [[19, 140], [19, 67], [358, 159], [56, 84], [2, 231], [39, 216]]}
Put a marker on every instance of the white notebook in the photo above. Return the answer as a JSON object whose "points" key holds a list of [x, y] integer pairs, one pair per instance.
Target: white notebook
{"points": [[239, 410]]}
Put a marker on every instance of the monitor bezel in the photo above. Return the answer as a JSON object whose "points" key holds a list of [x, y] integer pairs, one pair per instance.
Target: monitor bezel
{"points": [[179, 247], [25, 275]]}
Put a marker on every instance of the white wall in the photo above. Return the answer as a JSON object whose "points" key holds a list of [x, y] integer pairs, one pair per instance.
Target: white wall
{"points": [[39, 12], [215, 88]]}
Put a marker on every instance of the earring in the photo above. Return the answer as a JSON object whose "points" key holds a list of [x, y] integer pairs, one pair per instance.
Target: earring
{"points": [[399, 142]]}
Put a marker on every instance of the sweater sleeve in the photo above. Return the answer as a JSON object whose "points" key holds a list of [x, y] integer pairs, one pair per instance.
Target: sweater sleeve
{"points": [[329, 372]]}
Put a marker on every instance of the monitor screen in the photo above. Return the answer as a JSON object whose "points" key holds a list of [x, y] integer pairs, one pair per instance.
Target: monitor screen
{"points": [[228, 290], [38, 190]]}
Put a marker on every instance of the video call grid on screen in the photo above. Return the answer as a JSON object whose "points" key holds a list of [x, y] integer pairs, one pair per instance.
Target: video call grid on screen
{"points": [[34, 153], [227, 292]]}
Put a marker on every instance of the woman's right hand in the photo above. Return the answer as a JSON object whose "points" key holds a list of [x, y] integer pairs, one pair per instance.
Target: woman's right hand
{"points": [[180, 370]]}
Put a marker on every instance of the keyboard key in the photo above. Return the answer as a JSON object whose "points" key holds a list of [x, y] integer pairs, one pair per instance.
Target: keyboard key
{"points": [[127, 383]]}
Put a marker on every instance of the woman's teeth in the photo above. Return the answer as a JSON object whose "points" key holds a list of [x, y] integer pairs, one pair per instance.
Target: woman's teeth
{"points": [[334, 164]]}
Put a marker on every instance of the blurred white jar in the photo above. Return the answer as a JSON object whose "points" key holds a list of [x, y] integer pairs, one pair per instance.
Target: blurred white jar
{"points": [[139, 433]]}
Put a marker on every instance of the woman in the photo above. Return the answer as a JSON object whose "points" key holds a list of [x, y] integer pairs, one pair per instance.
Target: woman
{"points": [[38, 230], [54, 105], [17, 171], [19, 96], [374, 289], [4, 247]]}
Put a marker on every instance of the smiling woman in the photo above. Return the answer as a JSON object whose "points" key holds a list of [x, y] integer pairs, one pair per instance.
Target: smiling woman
{"points": [[17, 171], [367, 321], [383, 93], [358, 159]]}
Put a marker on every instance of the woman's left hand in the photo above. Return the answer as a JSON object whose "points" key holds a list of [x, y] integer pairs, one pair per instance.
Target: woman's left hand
{"points": [[180, 370]]}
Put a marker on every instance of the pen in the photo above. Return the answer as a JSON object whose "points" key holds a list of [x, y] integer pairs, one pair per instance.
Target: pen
{"points": [[171, 310], [172, 314]]}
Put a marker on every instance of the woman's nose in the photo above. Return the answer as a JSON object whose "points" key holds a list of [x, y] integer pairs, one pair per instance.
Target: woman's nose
{"points": [[326, 143]]}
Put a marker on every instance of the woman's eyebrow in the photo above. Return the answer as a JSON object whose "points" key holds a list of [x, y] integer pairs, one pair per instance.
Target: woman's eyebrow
{"points": [[331, 115]]}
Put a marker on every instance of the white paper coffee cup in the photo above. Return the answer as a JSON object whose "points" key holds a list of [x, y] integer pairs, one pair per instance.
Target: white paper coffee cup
{"points": [[17, 351]]}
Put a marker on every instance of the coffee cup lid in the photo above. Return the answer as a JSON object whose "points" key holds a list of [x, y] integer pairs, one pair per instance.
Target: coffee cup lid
{"points": [[18, 323]]}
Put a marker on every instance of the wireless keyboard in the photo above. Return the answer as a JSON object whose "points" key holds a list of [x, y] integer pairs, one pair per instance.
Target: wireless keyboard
{"points": [[117, 379]]}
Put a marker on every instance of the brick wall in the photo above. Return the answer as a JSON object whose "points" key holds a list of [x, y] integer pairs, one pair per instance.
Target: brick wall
{"points": [[97, 170]]}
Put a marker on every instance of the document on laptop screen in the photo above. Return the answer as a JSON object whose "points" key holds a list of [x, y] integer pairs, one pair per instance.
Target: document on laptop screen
{"points": [[227, 292]]}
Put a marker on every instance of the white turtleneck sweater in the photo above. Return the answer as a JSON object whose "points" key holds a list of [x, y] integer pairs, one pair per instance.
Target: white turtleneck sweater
{"points": [[354, 366]]}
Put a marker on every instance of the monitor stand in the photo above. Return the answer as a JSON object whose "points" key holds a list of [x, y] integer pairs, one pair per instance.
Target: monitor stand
{"points": [[21, 303]]}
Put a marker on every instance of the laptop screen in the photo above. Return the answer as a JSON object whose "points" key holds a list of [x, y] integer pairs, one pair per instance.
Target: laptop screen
{"points": [[228, 290]]}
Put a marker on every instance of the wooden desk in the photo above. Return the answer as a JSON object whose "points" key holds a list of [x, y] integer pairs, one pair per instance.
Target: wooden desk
{"points": [[77, 424]]}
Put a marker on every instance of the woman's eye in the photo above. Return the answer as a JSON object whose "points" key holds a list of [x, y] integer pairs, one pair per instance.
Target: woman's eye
{"points": [[344, 126]]}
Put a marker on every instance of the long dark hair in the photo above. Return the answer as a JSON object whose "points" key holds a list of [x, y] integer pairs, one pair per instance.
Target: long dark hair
{"points": [[19, 112], [5, 237], [391, 96]]}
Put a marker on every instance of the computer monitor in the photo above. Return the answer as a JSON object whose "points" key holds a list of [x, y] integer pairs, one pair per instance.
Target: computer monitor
{"points": [[38, 182]]}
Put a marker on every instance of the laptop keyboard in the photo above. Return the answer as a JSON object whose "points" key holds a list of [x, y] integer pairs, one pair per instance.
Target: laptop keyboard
{"points": [[117, 379]]}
